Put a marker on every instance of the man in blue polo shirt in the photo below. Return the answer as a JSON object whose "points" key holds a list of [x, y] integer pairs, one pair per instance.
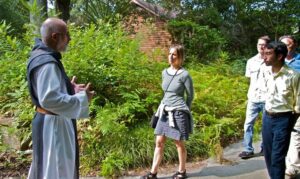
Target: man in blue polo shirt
{"points": [[293, 58], [292, 159]]}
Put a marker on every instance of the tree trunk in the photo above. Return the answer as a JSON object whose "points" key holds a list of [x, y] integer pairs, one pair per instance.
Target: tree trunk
{"points": [[63, 9], [38, 13]]}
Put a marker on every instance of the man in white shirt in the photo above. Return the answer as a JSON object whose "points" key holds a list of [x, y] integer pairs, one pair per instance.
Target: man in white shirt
{"points": [[256, 96], [281, 108]]}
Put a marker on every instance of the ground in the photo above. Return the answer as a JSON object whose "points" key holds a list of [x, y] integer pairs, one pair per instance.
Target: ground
{"points": [[12, 162], [168, 168], [16, 164]]}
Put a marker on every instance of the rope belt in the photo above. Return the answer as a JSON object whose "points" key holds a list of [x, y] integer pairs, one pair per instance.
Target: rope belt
{"points": [[43, 111]]}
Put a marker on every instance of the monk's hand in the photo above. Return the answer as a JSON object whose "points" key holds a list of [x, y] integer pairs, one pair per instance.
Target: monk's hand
{"points": [[89, 92], [77, 87]]}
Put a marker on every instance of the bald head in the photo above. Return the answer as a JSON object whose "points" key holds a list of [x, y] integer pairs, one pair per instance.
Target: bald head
{"points": [[53, 31], [52, 25]]}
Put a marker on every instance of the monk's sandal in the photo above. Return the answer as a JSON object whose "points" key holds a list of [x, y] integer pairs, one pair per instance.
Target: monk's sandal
{"points": [[180, 175], [149, 176]]}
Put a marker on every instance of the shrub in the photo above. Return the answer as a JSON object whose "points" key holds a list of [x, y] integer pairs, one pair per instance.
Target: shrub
{"points": [[14, 99], [201, 42], [117, 136]]}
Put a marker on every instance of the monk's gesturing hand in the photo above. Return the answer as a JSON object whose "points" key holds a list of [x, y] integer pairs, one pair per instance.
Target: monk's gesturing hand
{"points": [[82, 87], [77, 87], [89, 93]]}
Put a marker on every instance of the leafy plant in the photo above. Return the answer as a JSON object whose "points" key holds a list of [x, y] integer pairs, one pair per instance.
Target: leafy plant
{"points": [[15, 14], [90, 11], [201, 42], [117, 136]]}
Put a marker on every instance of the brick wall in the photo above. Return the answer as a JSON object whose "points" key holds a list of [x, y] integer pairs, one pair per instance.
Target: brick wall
{"points": [[154, 37]]}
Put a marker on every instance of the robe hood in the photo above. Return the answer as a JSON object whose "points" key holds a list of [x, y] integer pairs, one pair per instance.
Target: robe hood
{"points": [[43, 48]]}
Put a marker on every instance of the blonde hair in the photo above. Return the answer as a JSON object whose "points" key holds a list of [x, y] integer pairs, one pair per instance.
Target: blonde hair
{"points": [[180, 52]]}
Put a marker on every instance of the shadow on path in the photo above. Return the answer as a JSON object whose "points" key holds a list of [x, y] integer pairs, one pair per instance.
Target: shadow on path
{"points": [[235, 168], [232, 170]]}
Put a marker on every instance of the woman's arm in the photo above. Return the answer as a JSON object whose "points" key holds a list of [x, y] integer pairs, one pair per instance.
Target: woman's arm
{"points": [[189, 90]]}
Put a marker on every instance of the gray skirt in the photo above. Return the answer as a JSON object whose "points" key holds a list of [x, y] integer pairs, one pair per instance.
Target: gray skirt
{"points": [[181, 129]]}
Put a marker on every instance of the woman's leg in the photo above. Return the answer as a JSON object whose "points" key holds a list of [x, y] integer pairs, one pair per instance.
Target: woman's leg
{"points": [[158, 153], [182, 155]]}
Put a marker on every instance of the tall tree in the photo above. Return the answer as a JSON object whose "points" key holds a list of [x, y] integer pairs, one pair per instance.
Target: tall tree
{"points": [[38, 12], [62, 8]]}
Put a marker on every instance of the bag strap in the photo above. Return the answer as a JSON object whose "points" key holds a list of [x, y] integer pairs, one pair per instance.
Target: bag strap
{"points": [[170, 82]]}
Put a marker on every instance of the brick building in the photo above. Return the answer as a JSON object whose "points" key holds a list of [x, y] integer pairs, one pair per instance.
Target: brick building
{"points": [[150, 27]]}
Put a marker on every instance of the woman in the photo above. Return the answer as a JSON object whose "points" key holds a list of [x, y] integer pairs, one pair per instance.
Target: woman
{"points": [[175, 120]]}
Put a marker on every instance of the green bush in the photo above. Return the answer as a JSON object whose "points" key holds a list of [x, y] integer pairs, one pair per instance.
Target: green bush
{"points": [[219, 105], [118, 71], [201, 42], [111, 61], [117, 136], [15, 14], [14, 99]]}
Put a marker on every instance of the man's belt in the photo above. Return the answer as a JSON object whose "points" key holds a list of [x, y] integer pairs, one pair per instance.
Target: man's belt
{"points": [[279, 114], [43, 111]]}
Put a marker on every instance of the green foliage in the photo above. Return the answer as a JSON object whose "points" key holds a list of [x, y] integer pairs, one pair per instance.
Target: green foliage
{"points": [[240, 22], [91, 11], [117, 137], [13, 65], [200, 42], [219, 105], [14, 13], [14, 97], [218, 112], [38, 12], [113, 164], [111, 62]]}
